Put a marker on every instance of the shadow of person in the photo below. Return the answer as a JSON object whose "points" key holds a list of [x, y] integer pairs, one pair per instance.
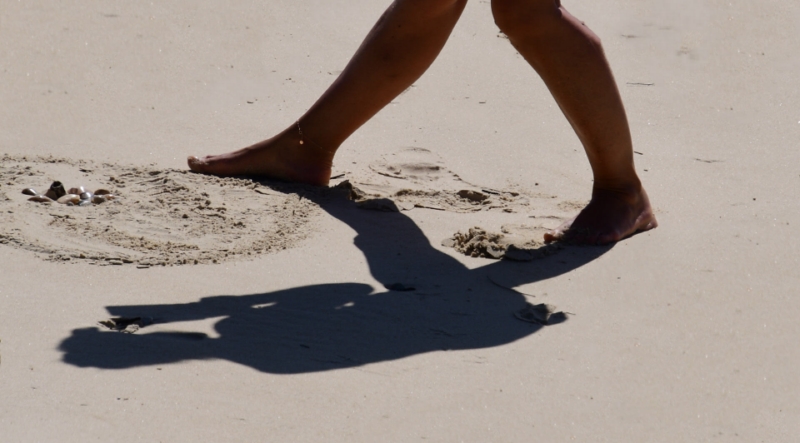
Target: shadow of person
{"points": [[442, 305]]}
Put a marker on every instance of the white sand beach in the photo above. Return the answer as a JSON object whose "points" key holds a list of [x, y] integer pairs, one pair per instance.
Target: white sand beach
{"points": [[266, 311]]}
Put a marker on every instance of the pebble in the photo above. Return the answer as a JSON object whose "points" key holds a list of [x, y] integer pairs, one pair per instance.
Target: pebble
{"points": [[77, 196], [58, 190], [69, 198]]}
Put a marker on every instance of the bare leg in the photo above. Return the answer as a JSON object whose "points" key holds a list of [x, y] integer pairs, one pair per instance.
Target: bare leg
{"points": [[398, 50], [570, 60]]}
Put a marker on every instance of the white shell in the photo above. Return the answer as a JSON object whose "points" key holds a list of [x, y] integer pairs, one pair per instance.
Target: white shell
{"points": [[69, 198]]}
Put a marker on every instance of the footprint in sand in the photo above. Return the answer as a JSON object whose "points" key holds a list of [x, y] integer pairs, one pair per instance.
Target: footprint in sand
{"points": [[415, 165], [420, 179]]}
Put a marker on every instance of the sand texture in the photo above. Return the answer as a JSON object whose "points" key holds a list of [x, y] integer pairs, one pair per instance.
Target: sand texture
{"points": [[413, 299], [160, 217], [176, 217]]}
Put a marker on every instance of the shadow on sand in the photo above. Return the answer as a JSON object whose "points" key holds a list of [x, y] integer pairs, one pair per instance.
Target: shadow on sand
{"points": [[340, 325]]}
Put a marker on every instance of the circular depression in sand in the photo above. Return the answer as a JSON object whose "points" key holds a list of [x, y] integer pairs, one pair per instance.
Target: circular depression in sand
{"points": [[162, 217]]}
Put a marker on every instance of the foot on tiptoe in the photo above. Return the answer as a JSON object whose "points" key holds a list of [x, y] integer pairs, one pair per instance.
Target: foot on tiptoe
{"points": [[610, 216], [281, 157]]}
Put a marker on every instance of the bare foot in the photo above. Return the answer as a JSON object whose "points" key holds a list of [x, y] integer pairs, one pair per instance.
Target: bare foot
{"points": [[609, 217], [281, 157]]}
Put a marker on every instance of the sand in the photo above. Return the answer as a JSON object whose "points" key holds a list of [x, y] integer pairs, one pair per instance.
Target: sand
{"points": [[159, 217], [176, 217], [413, 299]]}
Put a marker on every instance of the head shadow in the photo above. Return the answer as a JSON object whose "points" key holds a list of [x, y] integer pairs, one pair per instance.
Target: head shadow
{"points": [[442, 306]]}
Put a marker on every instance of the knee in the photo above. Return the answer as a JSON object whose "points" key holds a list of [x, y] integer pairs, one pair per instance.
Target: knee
{"points": [[526, 17]]}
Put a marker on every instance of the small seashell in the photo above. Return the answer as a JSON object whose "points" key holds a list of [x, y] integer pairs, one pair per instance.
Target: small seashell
{"points": [[41, 199], [98, 199], [29, 191], [69, 198], [58, 190], [77, 191], [102, 192], [85, 203], [86, 196]]}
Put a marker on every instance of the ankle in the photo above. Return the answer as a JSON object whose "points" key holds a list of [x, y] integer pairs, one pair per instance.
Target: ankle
{"points": [[629, 189], [308, 151], [307, 141]]}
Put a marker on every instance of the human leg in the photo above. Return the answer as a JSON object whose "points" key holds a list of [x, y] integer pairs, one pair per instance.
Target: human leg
{"points": [[570, 60], [397, 51]]}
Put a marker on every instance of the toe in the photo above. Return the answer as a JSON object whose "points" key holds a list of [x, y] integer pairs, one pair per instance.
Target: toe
{"points": [[554, 235], [560, 233], [195, 163]]}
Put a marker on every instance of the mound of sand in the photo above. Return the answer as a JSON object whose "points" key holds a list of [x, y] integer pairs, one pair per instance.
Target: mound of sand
{"points": [[516, 242]]}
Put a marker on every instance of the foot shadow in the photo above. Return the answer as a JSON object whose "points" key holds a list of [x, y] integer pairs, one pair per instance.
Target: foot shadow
{"points": [[438, 304]]}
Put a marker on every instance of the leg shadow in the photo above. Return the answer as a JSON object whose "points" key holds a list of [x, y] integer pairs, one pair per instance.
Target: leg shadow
{"points": [[443, 306]]}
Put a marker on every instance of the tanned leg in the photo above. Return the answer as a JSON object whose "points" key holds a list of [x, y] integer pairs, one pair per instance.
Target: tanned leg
{"points": [[397, 51], [570, 60]]}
